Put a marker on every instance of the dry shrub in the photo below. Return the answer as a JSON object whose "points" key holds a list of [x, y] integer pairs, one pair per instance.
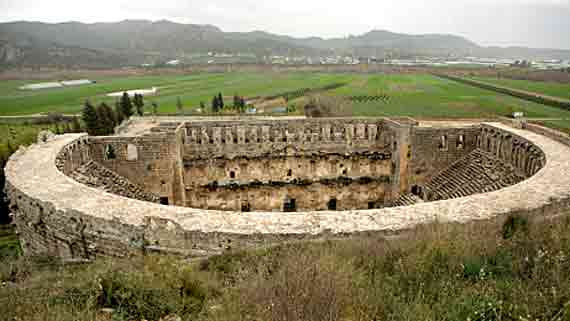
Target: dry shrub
{"points": [[309, 285]]}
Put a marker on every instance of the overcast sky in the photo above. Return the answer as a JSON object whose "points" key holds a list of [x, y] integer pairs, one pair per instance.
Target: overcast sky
{"points": [[532, 23]]}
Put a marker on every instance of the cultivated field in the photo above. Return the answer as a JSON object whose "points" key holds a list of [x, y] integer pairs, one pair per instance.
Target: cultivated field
{"points": [[417, 95], [553, 89]]}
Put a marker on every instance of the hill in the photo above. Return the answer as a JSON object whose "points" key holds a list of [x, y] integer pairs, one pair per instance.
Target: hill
{"points": [[133, 42]]}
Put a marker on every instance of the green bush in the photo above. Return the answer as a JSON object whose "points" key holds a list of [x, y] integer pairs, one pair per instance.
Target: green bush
{"points": [[515, 225]]}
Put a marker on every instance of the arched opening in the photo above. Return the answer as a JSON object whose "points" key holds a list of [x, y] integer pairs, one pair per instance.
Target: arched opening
{"points": [[245, 207], [417, 190], [110, 152], [460, 141], [443, 143], [232, 174], [132, 153], [290, 205], [331, 205]]}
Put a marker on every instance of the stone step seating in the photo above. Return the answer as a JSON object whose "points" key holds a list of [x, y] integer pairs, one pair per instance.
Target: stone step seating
{"points": [[407, 200], [478, 172], [96, 175]]}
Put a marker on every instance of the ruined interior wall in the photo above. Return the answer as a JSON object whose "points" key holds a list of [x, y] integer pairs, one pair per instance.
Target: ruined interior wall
{"points": [[429, 157], [284, 157], [285, 137], [344, 193], [284, 169], [153, 166], [266, 183]]}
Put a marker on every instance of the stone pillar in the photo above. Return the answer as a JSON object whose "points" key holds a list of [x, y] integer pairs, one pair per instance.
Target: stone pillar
{"points": [[401, 155]]}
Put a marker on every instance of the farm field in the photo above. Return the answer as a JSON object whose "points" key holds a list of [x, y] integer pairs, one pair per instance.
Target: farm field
{"points": [[415, 95], [546, 88]]}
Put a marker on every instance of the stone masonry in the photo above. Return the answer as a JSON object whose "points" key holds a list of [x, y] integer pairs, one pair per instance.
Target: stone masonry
{"points": [[57, 215]]}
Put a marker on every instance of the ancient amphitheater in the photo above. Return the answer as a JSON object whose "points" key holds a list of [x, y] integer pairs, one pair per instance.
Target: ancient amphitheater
{"points": [[198, 187]]}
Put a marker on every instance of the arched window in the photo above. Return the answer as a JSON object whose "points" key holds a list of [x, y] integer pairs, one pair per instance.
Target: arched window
{"points": [[110, 153], [132, 153], [460, 141], [332, 204], [443, 143]]}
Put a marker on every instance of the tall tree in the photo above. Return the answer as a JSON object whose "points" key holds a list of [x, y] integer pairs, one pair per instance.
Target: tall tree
{"points": [[236, 103], [75, 125], [119, 112], [89, 116], [138, 101], [179, 106], [106, 119], [215, 104], [220, 101], [4, 206], [126, 106]]}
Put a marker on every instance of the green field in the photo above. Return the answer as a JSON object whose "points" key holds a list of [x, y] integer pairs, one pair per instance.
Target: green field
{"points": [[408, 95], [546, 88]]}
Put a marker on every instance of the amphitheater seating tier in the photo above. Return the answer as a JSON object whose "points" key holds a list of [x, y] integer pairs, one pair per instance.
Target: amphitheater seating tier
{"points": [[96, 175]]}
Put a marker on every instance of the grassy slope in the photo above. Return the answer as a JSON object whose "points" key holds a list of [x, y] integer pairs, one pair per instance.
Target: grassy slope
{"points": [[441, 272], [545, 88], [411, 95]]}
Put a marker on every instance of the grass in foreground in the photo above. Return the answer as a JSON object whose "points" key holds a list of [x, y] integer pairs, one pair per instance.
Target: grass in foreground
{"points": [[441, 272]]}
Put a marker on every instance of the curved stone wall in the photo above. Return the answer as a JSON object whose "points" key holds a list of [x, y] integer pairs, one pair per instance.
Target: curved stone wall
{"points": [[58, 216]]}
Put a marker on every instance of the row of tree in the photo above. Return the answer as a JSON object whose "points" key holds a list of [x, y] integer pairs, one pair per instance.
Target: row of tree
{"points": [[218, 103], [102, 120]]}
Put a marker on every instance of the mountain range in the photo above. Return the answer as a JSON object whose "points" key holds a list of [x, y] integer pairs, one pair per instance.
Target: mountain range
{"points": [[133, 42]]}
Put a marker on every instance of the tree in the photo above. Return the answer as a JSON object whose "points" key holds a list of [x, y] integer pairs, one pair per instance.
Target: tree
{"points": [[139, 104], [4, 206], [67, 128], [154, 109], [75, 125], [215, 104], [202, 106], [89, 116], [179, 106], [220, 101], [10, 148], [237, 103], [126, 106], [106, 119], [119, 112]]}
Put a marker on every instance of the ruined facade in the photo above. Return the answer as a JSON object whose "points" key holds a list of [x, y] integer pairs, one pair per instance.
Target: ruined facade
{"points": [[237, 184]]}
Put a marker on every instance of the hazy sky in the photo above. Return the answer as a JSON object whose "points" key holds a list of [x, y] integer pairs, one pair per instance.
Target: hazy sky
{"points": [[533, 23]]}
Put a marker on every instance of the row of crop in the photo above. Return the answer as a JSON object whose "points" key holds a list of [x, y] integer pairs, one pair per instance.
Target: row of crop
{"points": [[367, 98], [294, 94], [537, 98]]}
